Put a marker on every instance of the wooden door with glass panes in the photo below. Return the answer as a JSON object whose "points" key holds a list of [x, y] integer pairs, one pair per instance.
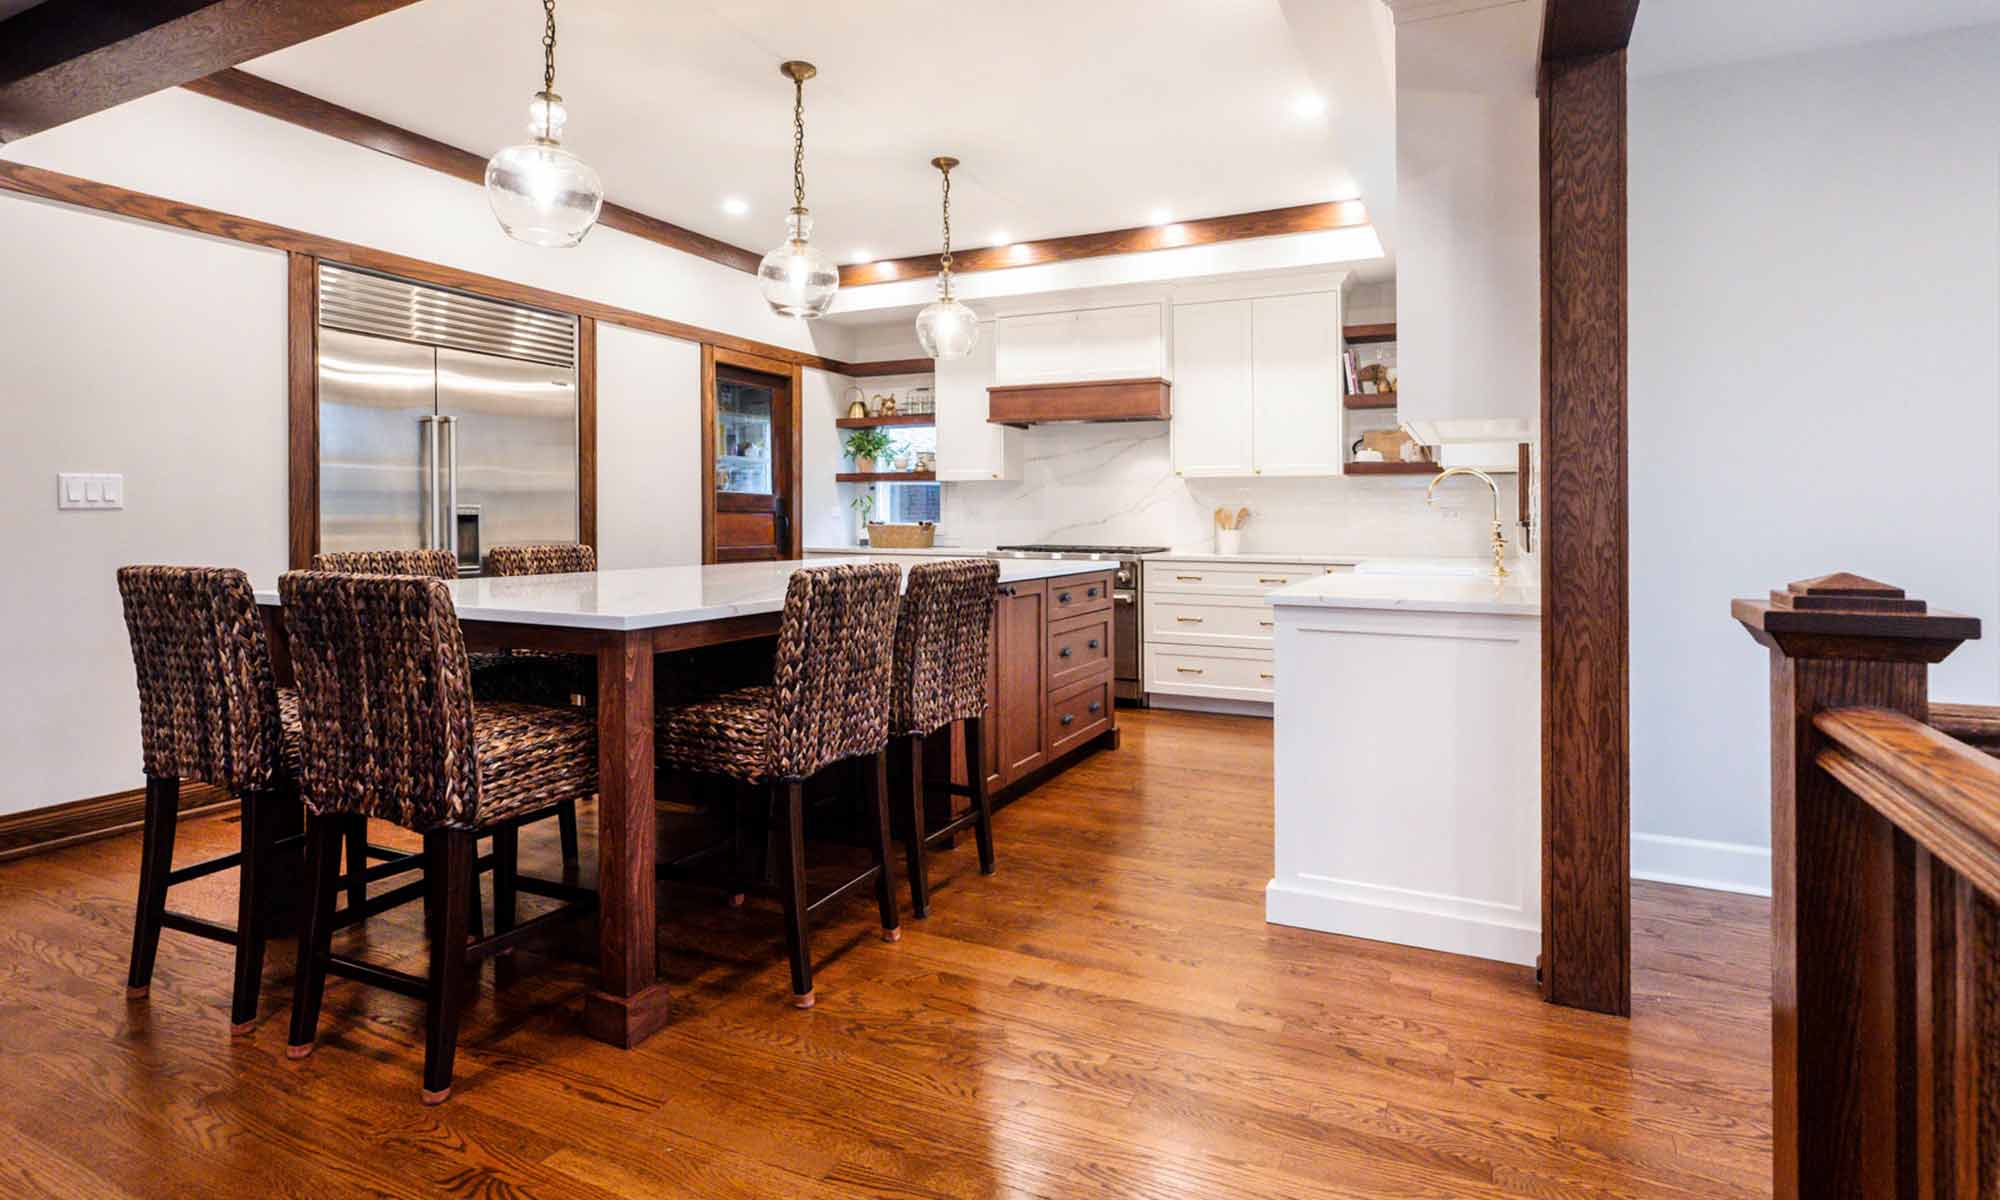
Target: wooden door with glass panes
{"points": [[752, 465]]}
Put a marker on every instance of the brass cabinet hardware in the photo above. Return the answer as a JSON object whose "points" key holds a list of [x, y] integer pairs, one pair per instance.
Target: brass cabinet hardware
{"points": [[1190, 620], [1188, 578], [1189, 670]]}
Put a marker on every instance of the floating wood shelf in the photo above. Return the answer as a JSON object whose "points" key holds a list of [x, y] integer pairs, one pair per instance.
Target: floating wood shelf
{"points": [[885, 477], [1368, 334], [878, 422], [1393, 468], [1378, 400]]}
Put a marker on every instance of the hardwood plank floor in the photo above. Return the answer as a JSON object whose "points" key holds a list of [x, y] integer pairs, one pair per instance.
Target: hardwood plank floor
{"points": [[1107, 1016]]}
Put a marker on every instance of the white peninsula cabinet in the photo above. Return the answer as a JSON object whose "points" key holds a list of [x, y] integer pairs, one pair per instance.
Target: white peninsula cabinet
{"points": [[969, 447], [1257, 386]]}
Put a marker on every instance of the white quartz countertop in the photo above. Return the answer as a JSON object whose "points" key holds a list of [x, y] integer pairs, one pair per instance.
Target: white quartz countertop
{"points": [[651, 597], [1516, 595], [921, 551]]}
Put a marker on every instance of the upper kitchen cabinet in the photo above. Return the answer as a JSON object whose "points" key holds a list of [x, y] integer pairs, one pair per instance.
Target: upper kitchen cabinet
{"points": [[969, 448], [1295, 397], [1468, 252], [1211, 427], [1257, 386], [1127, 342]]}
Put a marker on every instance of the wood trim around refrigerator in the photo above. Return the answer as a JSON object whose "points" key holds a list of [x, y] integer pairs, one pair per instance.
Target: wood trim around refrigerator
{"points": [[302, 439], [586, 431], [302, 470]]}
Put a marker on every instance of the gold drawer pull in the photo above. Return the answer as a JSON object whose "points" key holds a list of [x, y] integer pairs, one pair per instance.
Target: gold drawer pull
{"points": [[1264, 675], [1274, 579], [1190, 620], [1267, 624], [1188, 578], [1190, 670]]}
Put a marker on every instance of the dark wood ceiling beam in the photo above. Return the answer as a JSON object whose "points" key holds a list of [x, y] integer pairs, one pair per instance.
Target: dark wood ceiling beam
{"points": [[1580, 28], [1304, 218], [261, 95], [64, 59]]}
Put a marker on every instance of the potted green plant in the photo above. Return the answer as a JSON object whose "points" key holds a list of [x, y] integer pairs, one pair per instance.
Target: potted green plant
{"points": [[863, 505], [864, 446]]}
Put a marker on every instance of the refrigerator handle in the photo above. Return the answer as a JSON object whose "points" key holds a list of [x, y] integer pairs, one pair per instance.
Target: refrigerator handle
{"points": [[451, 485], [427, 478]]}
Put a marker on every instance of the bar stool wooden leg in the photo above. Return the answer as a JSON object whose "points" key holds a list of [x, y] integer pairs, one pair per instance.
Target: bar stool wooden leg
{"points": [[788, 805], [506, 873], [324, 836], [448, 868], [156, 862], [357, 862], [566, 819], [253, 907], [982, 802], [885, 872], [916, 853]]}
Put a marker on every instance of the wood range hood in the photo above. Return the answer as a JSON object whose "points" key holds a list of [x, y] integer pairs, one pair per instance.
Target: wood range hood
{"points": [[1025, 404]]}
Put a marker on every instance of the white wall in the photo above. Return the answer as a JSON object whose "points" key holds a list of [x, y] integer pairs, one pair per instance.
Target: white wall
{"points": [[159, 355], [1815, 289], [648, 449]]}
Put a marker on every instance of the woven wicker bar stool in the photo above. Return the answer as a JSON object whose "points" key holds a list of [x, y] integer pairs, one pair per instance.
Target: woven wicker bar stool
{"points": [[553, 678], [942, 645], [827, 704], [390, 731], [210, 711], [505, 675]]}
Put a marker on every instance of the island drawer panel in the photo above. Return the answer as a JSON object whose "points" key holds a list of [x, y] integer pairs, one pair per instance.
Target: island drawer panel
{"points": [[1074, 594], [1223, 672], [1078, 647], [1210, 620], [1079, 713]]}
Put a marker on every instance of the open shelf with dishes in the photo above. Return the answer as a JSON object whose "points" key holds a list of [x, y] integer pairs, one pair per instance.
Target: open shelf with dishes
{"points": [[1368, 371], [895, 419], [886, 477]]}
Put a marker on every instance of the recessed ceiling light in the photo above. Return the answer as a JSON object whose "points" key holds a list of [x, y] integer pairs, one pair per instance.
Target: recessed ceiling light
{"points": [[735, 206], [999, 238], [1160, 216], [1312, 104], [860, 256]]}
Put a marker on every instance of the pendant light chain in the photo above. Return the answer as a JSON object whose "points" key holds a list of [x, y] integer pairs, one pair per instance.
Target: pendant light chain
{"points": [[944, 262], [549, 48], [798, 142]]}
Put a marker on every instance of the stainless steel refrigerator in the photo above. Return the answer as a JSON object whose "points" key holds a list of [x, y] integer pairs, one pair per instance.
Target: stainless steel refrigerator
{"points": [[445, 420]]}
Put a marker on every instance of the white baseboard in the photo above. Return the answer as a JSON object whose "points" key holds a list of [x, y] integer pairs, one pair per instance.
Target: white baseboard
{"points": [[1404, 918], [1207, 704], [1692, 862]]}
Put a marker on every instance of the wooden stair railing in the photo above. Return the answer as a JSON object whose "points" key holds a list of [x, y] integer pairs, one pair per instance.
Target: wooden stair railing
{"points": [[1885, 936], [1976, 725]]}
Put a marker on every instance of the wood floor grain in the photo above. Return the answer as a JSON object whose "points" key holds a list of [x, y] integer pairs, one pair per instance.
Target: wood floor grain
{"points": [[1109, 1015]]}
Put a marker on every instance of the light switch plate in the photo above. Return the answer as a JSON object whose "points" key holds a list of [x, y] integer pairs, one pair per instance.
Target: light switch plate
{"points": [[75, 490]]}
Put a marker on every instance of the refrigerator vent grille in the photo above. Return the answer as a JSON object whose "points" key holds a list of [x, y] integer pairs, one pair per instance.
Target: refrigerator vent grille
{"points": [[377, 304]]}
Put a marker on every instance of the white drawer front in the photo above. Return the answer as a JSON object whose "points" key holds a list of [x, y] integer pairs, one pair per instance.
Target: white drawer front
{"points": [[1228, 579], [1224, 672], [1209, 620]]}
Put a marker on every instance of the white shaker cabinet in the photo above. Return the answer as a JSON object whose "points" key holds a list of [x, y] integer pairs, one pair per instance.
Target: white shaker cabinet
{"points": [[1257, 386], [969, 448], [1125, 342], [1211, 425], [1295, 398]]}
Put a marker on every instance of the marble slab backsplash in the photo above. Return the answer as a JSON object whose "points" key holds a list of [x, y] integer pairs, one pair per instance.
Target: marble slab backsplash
{"points": [[1115, 484]]}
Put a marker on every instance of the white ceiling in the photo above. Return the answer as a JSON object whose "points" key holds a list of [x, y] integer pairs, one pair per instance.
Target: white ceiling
{"points": [[1071, 116], [1677, 35]]}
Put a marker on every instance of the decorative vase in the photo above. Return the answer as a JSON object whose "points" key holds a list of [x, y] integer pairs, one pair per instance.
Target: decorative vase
{"points": [[1229, 541], [862, 466]]}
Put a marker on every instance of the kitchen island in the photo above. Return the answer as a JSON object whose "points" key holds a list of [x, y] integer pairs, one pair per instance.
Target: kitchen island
{"points": [[1407, 785], [623, 618]]}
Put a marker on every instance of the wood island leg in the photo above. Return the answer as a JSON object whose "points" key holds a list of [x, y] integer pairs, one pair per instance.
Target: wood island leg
{"points": [[630, 1004]]}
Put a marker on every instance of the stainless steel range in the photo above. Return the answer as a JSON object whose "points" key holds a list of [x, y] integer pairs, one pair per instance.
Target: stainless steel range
{"points": [[1125, 589]]}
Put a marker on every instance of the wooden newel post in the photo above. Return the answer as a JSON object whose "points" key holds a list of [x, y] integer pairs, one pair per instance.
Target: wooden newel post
{"points": [[1839, 641]]}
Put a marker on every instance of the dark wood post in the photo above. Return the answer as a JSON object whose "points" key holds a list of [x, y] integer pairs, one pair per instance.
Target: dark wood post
{"points": [[1839, 641]]}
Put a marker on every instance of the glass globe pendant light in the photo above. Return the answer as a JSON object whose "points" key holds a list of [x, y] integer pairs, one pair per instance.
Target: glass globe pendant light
{"points": [[797, 279], [946, 328], [541, 193]]}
